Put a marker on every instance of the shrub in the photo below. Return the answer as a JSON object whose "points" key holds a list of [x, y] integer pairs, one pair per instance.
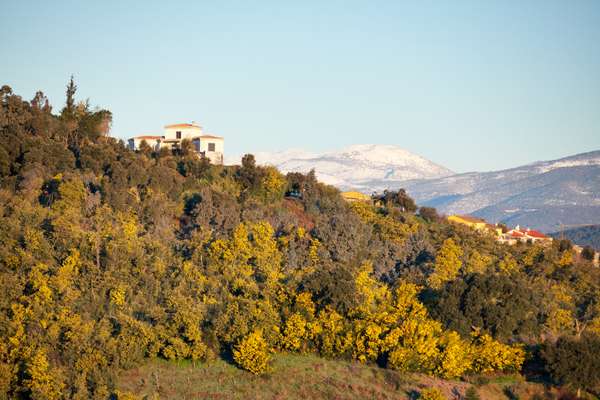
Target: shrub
{"points": [[574, 362], [294, 332], [252, 353], [471, 394], [429, 214], [588, 253], [490, 355], [432, 394]]}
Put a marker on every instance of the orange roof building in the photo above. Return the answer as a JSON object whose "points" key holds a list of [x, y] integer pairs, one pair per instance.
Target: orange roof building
{"points": [[524, 235]]}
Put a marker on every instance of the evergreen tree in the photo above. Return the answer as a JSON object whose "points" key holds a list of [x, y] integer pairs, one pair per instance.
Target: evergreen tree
{"points": [[69, 109]]}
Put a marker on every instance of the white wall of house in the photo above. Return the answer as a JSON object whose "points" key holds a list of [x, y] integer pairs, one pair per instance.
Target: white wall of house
{"points": [[135, 142], [211, 146], [187, 131]]}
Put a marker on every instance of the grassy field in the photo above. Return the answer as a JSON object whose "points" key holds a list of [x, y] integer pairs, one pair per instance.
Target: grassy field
{"points": [[305, 377]]}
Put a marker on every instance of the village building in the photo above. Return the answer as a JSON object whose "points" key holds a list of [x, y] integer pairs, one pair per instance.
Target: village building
{"points": [[476, 223], [353, 196], [204, 145], [527, 235], [512, 236]]}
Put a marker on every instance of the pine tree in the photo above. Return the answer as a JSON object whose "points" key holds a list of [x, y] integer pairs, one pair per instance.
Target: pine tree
{"points": [[69, 109]]}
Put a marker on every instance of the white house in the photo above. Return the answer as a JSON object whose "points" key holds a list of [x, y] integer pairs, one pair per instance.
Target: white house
{"points": [[151, 140], [205, 145]]}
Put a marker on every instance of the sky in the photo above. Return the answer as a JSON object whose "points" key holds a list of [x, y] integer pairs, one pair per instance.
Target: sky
{"points": [[471, 85]]}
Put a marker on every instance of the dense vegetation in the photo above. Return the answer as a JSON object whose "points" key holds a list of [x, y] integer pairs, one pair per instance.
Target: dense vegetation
{"points": [[584, 236], [109, 257]]}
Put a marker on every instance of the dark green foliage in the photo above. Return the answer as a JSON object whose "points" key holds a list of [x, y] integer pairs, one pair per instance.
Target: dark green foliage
{"points": [[500, 304], [398, 199], [414, 259], [574, 361], [249, 175], [69, 109], [588, 253], [111, 252], [334, 286], [429, 214], [471, 394], [563, 244], [586, 235]]}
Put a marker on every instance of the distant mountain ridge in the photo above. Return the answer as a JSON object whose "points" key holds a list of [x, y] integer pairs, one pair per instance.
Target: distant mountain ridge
{"points": [[544, 194], [584, 236], [357, 166]]}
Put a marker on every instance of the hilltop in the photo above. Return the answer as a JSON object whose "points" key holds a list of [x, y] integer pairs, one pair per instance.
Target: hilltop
{"points": [[112, 260], [544, 194]]}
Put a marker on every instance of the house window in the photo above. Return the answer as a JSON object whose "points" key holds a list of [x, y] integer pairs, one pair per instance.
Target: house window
{"points": [[178, 134], [211, 147], [197, 145]]}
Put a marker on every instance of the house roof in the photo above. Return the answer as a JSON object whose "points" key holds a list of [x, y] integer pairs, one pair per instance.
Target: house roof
{"points": [[529, 232], [536, 234], [183, 126], [468, 218], [353, 195], [147, 137], [210, 137]]}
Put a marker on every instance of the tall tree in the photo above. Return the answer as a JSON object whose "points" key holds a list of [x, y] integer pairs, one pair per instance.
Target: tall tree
{"points": [[69, 109]]}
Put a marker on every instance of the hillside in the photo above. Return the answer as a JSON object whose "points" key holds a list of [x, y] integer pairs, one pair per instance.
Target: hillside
{"points": [[358, 166], [583, 236], [309, 377], [544, 194], [112, 260]]}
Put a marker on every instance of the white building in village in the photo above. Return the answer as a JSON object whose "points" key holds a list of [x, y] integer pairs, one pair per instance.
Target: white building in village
{"points": [[205, 145]]}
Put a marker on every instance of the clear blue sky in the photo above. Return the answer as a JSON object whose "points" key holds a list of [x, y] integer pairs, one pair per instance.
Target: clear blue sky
{"points": [[472, 85]]}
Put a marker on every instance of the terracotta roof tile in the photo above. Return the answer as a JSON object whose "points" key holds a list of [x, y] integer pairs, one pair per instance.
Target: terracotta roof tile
{"points": [[147, 137], [536, 234], [183, 126], [210, 137]]}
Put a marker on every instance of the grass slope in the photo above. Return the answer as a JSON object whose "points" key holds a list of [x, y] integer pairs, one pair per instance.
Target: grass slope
{"points": [[299, 377]]}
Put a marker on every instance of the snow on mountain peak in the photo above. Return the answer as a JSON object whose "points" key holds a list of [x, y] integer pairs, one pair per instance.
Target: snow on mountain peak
{"points": [[377, 153], [579, 160], [357, 166]]}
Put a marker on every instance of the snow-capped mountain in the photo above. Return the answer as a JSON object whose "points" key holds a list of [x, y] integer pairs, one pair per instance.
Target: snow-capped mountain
{"points": [[545, 194], [365, 167]]}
